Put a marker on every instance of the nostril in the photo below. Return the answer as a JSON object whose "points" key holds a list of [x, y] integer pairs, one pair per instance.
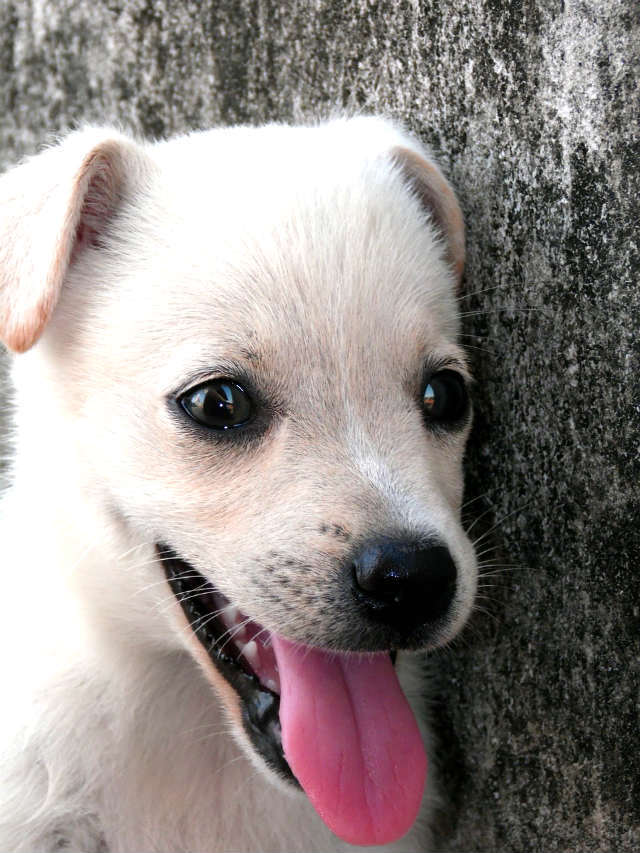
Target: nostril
{"points": [[404, 583]]}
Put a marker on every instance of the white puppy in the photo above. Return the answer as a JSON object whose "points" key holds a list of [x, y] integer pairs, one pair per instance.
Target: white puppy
{"points": [[240, 410]]}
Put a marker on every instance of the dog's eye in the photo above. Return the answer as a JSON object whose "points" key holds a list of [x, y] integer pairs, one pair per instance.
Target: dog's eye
{"points": [[220, 404], [445, 399]]}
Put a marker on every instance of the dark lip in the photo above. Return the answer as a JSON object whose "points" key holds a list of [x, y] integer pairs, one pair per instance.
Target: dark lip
{"points": [[260, 707]]}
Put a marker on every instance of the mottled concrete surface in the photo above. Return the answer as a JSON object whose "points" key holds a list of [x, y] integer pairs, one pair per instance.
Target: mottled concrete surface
{"points": [[533, 108]]}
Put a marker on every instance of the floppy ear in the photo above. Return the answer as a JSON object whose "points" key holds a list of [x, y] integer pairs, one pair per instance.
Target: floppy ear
{"points": [[437, 196], [50, 207]]}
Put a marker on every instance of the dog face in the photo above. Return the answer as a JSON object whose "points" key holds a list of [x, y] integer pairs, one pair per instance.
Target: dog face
{"points": [[254, 354]]}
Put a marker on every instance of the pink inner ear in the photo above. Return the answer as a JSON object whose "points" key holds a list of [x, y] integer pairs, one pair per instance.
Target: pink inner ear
{"points": [[81, 240], [53, 206], [438, 199], [100, 201]]}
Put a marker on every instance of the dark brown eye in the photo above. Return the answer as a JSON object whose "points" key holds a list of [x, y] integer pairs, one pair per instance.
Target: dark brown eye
{"points": [[220, 404], [445, 399]]}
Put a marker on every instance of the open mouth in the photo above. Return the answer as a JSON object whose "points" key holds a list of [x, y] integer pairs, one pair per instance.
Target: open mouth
{"points": [[336, 724], [240, 649]]}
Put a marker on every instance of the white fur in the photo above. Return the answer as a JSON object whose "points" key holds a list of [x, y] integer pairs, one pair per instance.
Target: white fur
{"points": [[309, 241]]}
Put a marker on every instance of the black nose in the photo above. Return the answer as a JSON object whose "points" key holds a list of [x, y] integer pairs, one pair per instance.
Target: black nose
{"points": [[404, 585]]}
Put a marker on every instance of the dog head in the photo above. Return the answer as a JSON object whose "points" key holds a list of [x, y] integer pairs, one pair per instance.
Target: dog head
{"points": [[249, 344]]}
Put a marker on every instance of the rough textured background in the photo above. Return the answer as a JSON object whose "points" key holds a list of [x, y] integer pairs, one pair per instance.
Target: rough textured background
{"points": [[533, 108]]}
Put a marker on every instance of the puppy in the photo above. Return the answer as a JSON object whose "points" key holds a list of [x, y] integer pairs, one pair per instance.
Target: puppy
{"points": [[233, 520]]}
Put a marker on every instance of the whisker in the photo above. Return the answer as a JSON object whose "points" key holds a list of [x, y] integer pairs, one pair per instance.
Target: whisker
{"points": [[164, 581], [489, 550], [480, 349], [165, 605], [483, 596], [192, 627], [483, 610], [137, 547], [202, 621], [263, 631], [490, 311], [235, 629], [502, 521], [479, 292], [479, 518], [211, 735], [473, 500], [198, 728], [500, 568], [200, 591], [230, 762]]}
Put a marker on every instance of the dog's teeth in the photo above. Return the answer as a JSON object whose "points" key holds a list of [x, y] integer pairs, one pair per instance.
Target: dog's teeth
{"points": [[250, 651], [272, 685], [231, 614], [231, 617]]}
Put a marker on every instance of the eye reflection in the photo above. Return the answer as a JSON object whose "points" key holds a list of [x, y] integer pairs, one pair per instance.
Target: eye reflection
{"points": [[220, 404], [429, 399], [445, 399]]}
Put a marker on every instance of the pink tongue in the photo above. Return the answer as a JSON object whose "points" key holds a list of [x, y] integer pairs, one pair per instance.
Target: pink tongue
{"points": [[351, 740]]}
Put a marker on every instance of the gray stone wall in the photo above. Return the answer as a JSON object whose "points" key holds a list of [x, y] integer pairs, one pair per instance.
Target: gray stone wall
{"points": [[533, 109]]}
